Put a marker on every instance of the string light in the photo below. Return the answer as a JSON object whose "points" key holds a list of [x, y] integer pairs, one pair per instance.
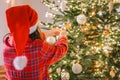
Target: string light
{"points": [[8, 1]]}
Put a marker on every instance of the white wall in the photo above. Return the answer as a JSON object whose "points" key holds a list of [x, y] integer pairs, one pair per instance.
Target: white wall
{"points": [[3, 28], [36, 4]]}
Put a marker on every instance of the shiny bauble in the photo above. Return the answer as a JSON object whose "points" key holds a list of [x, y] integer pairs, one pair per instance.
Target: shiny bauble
{"points": [[76, 68]]}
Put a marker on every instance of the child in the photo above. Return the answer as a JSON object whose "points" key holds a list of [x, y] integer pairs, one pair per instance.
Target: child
{"points": [[27, 56]]}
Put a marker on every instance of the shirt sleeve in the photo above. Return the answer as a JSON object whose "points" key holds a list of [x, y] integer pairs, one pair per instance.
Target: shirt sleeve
{"points": [[57, 51], [43, 36]]}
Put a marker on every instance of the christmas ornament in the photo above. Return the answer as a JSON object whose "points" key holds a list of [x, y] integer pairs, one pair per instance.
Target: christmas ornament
{"points": [[58, 70], [76, 68], [63, 5], [112, 73], [110, 5], [106, 32], [20, 62], [65, 75], [49, 15], [81, 19], [51, 40]]}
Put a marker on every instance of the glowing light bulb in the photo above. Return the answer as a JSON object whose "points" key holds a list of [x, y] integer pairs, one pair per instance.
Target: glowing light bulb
{"points": [[93, 13], [10, 3]]}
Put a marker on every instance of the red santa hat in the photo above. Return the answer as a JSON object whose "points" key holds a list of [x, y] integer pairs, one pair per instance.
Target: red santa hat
{"points": [[20, 20]]}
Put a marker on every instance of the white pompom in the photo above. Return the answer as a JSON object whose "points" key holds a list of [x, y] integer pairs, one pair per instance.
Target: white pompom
{"points": [[77, 68], [51, 40], [20, 62], [81, 19], [63, 5]]}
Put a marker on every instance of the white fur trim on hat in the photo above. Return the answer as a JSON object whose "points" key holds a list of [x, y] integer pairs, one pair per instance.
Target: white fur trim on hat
{"points": [[33, 28], [20, 62]]}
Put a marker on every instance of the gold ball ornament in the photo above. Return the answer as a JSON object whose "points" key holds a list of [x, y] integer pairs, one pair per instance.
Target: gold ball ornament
{"points": [[76, 68], [112, 73]]}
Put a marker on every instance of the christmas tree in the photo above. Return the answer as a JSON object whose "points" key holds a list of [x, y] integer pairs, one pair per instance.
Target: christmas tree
{"points": [[93, 28]]}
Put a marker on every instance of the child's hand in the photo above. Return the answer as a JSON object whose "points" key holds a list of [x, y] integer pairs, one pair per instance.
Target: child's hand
{"points": [[56, 32], [53, 32], [62, 33]]}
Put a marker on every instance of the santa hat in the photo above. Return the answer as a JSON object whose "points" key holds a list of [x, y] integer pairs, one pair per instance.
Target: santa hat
{"points": [[20, 20]]}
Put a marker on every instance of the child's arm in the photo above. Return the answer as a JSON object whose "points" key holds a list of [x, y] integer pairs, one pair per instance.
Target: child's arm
{"points": [[52, 32], [56, 51]]}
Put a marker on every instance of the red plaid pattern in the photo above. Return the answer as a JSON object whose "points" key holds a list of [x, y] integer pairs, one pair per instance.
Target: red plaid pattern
{"points": [[40, 56]]}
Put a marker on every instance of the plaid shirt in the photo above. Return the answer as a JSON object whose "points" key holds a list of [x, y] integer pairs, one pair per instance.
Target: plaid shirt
{"points": [[40, 56]]}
